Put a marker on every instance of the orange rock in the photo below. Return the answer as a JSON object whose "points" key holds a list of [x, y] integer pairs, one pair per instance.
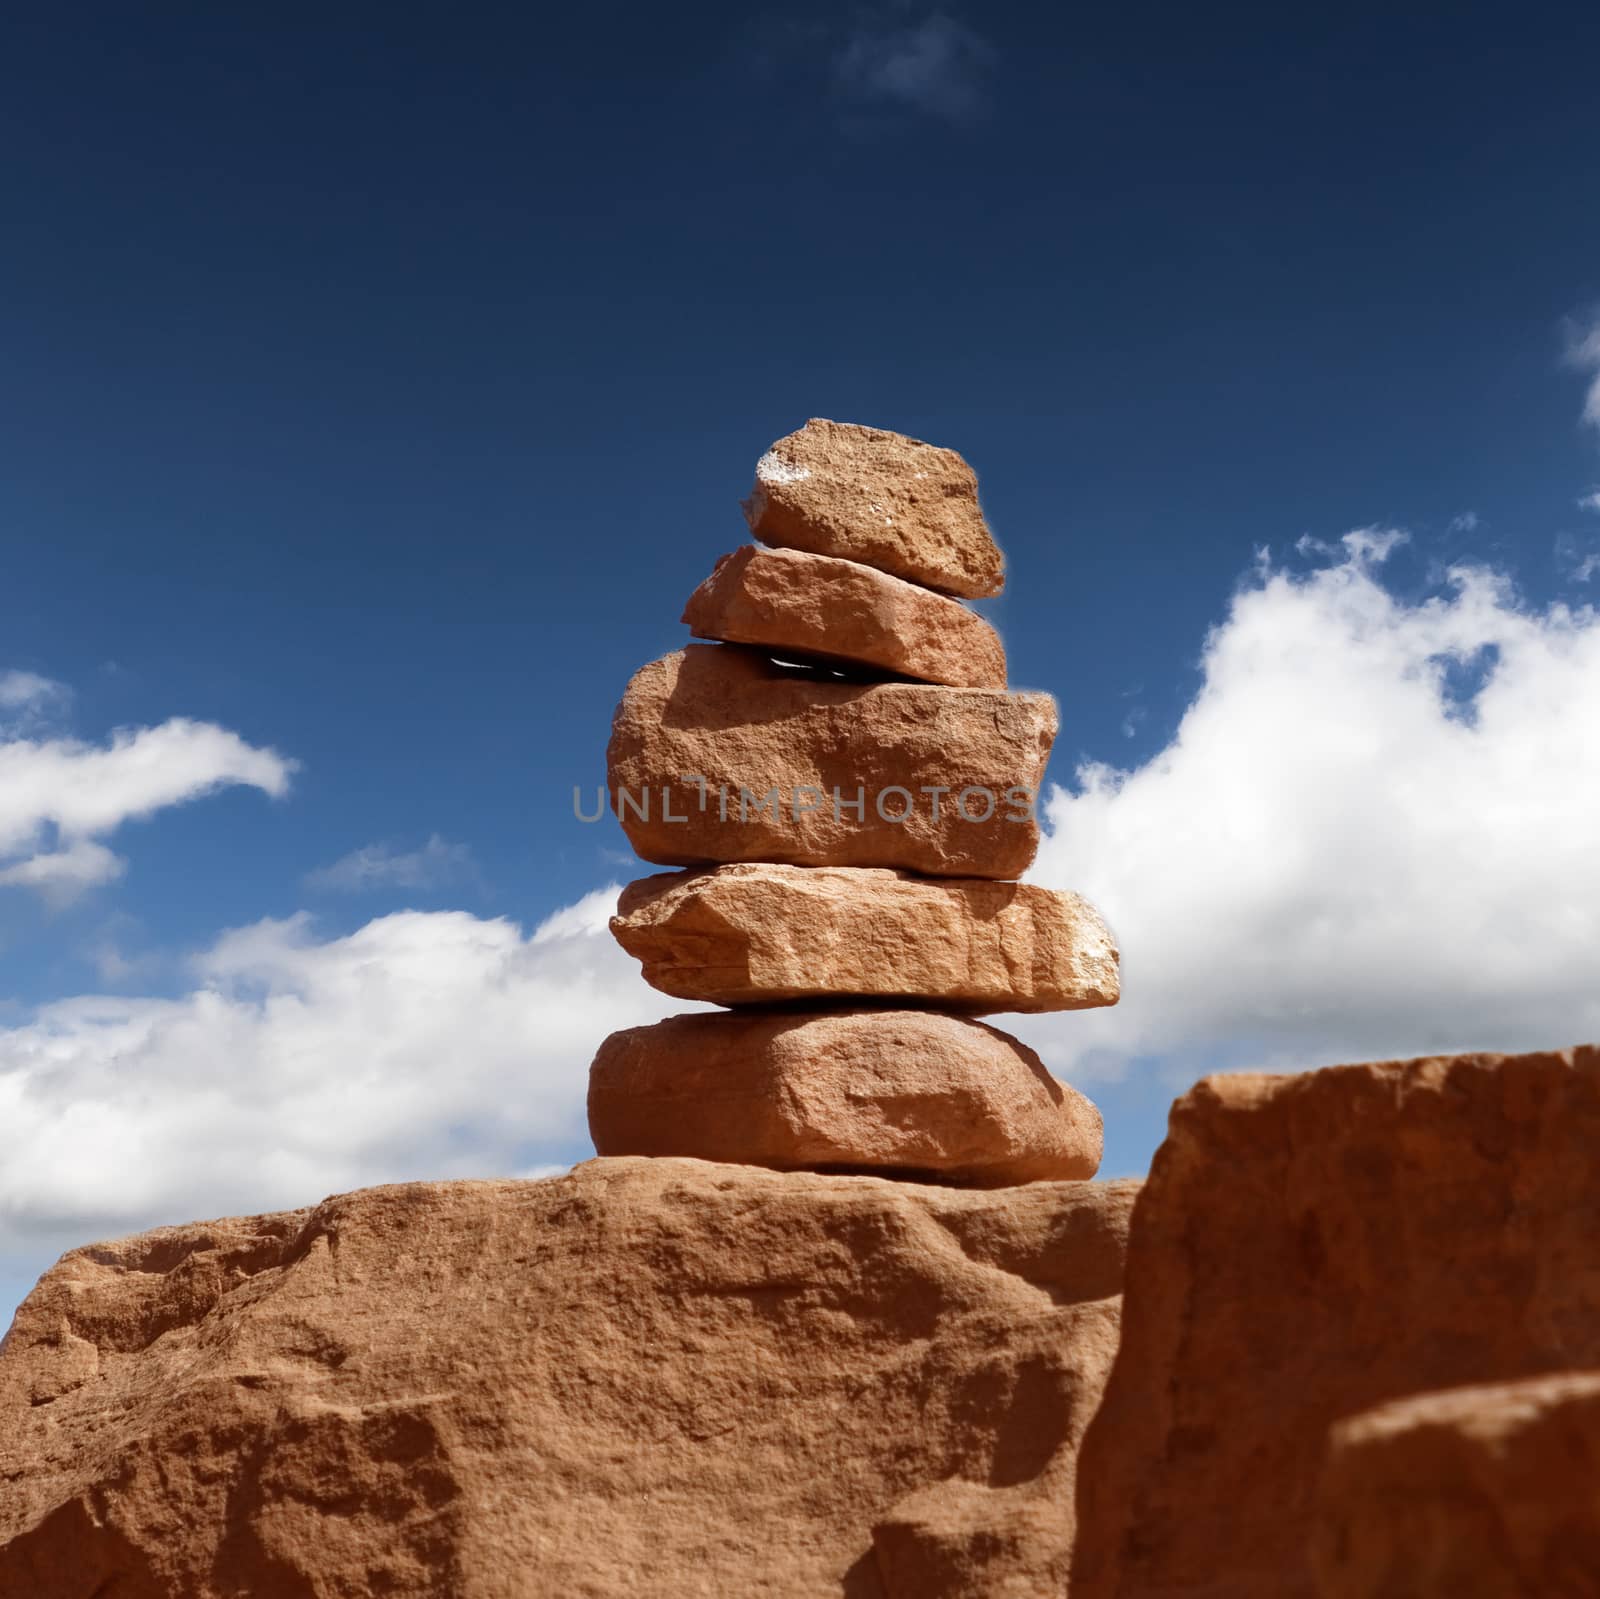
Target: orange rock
{"points": [[1308, 1247], [1476, 1493], [968, 1540], [655, 1375], [816, 608], [717, 754], [835, 488], [899, 1092], [757, 934]]}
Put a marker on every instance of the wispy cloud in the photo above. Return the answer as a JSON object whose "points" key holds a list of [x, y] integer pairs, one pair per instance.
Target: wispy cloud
{"points": [[1589, 501], [116, 955], [1466, 522], [25, 688], [378, 866], [1583, 352], [1578, 558], [931, 63], [61, 875], [28, 701]]}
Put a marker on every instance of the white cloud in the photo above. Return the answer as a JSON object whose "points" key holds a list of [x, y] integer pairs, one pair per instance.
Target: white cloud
{"points": [[379, 866], [28, 701], [934, 64], [1577, 558], [1590, 501], [114, 962], [1583, 352], [60, 796], [22, 689], [1466, 522], [425, 1045], [61, 875], [1372, 834]]}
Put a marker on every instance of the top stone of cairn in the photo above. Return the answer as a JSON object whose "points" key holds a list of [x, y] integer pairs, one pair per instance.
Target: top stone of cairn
{"points": [[867, 495]]}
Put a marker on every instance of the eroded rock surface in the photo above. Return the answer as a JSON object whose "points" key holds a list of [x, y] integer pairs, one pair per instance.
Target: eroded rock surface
{"points": [[836, 488], [757, 934], [819, 608], [835, 773], [1308, 1247], [899, 1091], [1476, 1493], [718, 1376]]}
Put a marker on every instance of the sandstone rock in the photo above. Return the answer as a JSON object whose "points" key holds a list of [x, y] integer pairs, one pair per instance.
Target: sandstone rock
{"points": [[910, 508], [1477, 1493], [1308, 1247], [806, 749], [649, 1374], [967, 1540], [757, 934], [900, 1092], [814, 607]]}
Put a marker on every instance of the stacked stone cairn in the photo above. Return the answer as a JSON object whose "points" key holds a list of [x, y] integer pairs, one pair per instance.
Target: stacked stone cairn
{"points": [[850, 789]]}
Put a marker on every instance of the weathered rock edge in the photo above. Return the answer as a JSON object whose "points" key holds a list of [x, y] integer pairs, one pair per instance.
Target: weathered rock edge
{"points": [[1305, 1248], [760, 934], [719, 1376]]}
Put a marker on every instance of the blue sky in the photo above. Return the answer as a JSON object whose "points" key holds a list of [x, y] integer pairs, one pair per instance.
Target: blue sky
{"points": [[374, 391]]}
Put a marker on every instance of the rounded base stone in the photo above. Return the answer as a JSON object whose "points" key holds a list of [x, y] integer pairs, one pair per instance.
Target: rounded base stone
{"points": [[913, 1093]]}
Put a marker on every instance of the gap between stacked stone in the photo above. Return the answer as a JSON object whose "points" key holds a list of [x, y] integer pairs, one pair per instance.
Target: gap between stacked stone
{"points": [[851, 789]]}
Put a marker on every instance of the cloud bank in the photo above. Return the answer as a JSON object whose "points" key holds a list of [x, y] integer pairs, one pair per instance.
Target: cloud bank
{"points": [[1373, 834], [423, 1045]]}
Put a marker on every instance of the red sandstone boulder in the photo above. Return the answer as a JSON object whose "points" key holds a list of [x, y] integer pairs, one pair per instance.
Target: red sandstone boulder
{"points": [[897, 1092], [835, 488], [650, 1375], [1475, 1493], [1308, 1247], [718, 754], [816, 608]]}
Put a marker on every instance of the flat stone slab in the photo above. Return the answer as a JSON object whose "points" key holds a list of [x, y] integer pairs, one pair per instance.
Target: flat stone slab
{"points": [[718, 754], [823, 609], [887, 1092], [909, 508], [765, 934]]}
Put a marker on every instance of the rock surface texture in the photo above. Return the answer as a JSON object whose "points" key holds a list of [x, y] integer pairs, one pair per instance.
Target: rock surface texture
{"points": [[901, 1092], [835, 488], [1309, 1247], [839, 612], [1477, 1493], [788, 758], [649, 1375], [738, 935], [821, 609]]}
